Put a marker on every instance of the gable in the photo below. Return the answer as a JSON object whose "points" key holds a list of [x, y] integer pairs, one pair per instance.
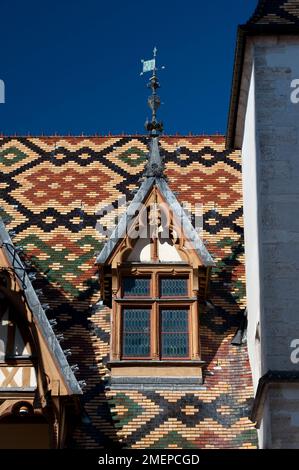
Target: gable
{"points": [[156, 234], [142, 251], [175, 232], [25, 332]]}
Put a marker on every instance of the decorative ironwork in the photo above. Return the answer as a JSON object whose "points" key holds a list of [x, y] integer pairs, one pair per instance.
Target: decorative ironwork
{"points": [[174, 333], [155, 165], [17, 266], [153, 127], [136, 333]]}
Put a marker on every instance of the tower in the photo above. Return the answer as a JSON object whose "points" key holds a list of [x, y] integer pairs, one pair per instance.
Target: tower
{"points": [[263, 122]]}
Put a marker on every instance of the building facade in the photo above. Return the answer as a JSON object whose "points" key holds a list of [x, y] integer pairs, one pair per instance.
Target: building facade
{"points": [[263, 122], [123, 320], [53, 200]]}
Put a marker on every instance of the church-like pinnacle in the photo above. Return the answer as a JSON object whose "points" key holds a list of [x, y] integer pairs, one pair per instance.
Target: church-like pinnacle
{"points": [[153, 127], [155, 165]]}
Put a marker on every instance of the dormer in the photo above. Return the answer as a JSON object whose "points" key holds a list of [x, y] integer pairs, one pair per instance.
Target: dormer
{"points": [[154, 273]]}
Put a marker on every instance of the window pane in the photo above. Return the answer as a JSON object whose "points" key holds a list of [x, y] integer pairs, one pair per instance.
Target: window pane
{"points": [[174, 333], [136, 286], [171, 287], [136, 332]]}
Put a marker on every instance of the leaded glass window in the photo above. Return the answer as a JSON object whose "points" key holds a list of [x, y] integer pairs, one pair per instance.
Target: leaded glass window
{"points": [[174, 333], [136, 287], [136, 332], [173, 287]]}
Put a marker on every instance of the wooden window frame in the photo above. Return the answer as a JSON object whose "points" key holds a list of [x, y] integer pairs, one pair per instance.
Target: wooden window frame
{"points": [[123, 276], [175, 358], [161, 276], [154, 303], [139, 307]]}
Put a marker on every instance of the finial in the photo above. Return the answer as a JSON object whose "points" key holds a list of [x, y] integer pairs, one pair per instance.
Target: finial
{"points": [[153, 127], [155, 165]]}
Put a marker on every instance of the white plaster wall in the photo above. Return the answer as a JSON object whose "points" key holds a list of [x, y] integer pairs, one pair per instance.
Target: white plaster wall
{"points": [[18, 374], [277, 131], [270, 153], [251, 232], [167, 251]]}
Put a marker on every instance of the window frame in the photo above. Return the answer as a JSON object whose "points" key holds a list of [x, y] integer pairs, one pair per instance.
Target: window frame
{"points": [[139, 307], [161, 276], [155, 336], [124, 276], [175, 358], [155, 303]]}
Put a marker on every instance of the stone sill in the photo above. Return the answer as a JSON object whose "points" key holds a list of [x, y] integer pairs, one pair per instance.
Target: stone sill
{"points": [[149, 363], [156, 383]]}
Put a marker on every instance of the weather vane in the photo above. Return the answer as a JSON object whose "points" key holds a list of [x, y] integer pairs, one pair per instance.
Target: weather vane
{"points": [[153, 127]]}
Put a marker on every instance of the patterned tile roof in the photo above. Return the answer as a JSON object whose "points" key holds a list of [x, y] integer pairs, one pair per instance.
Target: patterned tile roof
{"points": [[270, 17], [269, 12], [61, 204]]}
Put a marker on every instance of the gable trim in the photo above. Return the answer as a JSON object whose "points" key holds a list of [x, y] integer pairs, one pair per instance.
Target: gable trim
{"points": [[125, 222], [129, 217], [187, 227]]}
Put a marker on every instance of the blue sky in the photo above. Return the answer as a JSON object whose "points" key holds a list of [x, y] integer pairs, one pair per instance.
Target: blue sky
{"points": [[72, 66]]}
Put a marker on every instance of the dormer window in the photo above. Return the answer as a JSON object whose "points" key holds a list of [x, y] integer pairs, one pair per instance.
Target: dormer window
{"points": [[158, 269], [154, 316]]}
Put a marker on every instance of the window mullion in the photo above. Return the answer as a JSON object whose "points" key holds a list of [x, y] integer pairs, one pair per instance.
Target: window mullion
{"points": [[155, 324], [194, 331], [116, 333], [155, 332]]}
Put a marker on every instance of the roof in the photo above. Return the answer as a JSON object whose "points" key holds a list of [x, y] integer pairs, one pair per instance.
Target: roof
{"points": [[38, 312], [270, 17], [270, 12], [53, 201], [154, 175]]}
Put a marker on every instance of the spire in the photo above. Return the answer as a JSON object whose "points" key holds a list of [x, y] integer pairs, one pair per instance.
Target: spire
{"points": [[153, 126], [155, 165]]}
